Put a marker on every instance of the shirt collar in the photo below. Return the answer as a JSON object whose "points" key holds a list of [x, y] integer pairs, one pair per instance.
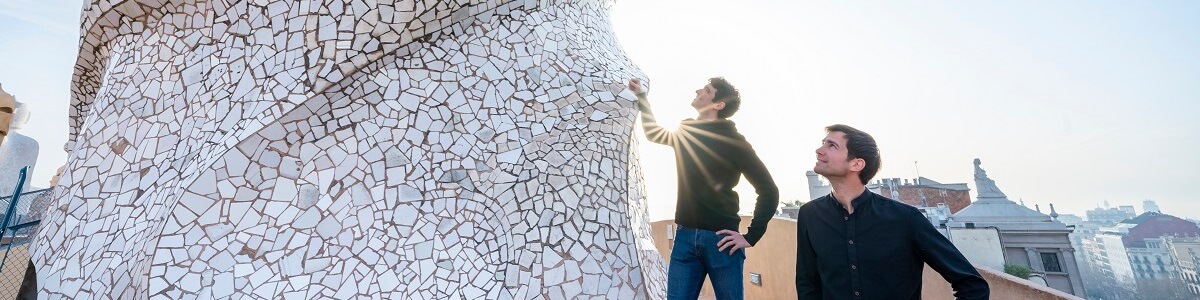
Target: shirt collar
{"points": [[857, 203]]}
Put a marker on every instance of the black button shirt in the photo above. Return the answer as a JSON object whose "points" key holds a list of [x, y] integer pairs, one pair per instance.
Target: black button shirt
{"points": [[878, 252]]}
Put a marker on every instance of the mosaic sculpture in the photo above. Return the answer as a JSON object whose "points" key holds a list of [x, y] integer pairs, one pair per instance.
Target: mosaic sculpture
{"points": [[349, 149], [16, 150]]}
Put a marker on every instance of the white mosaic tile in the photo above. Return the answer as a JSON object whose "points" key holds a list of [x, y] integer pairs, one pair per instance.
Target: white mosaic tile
{"points": [[350, 149]]}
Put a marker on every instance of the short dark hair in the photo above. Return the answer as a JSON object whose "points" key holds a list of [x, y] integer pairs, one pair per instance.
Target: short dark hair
{"points": [[859, 144], [725, 93]]}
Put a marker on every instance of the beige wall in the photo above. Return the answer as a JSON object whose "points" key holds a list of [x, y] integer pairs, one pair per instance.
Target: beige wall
{"points": [[1002, 286], [775, 258]]}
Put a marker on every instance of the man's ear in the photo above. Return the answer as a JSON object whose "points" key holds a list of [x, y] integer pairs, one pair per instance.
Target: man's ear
{"points": [[858, 164], [719, 106]]}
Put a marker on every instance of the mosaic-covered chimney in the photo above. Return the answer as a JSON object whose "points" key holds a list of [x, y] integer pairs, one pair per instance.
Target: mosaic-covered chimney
{"points": [[350, 149]]}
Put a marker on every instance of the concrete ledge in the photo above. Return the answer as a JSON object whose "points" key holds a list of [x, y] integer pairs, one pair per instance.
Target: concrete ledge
{"points": [[1002, 285]]}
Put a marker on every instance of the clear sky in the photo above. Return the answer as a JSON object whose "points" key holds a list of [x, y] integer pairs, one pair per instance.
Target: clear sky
{"points": [[1066, 102]]}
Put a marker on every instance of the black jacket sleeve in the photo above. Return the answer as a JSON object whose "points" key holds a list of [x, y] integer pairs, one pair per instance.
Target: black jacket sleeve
{"points": [[654, 132], [943, 257], [768, 194]]}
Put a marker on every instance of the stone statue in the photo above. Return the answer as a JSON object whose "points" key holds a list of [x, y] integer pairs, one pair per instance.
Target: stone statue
{"points": [[16, 150], [986, 186], [8, 110], [345, 149]]}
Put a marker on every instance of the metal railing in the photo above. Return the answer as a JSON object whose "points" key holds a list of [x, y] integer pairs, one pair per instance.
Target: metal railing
{"points": [[17, 228]]}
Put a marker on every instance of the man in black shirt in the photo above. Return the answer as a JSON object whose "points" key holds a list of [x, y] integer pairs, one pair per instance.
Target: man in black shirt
{"points": [[711, 157], [855, 244]]}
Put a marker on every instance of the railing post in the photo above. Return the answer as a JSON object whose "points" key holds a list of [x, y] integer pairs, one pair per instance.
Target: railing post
{"points": [[12, 203]]}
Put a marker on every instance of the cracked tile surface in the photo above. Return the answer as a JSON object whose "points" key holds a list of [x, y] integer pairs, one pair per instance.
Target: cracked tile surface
{"points": [[350, 149]]}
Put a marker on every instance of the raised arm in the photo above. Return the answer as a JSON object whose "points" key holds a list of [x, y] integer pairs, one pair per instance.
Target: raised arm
{"points": [[654, 132]]}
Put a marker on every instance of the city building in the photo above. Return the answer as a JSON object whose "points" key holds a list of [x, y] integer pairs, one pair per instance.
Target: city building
{"points": [[1026, 237], [925, 192], [1070, 219], [1185, 251], [1111, 259], [1127, 208], [1109, 215], [919, 192], [1146, 247], [1142, 250], [1150, 206]]}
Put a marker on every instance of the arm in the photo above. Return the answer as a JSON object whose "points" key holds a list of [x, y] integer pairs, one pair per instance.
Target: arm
{"points": [[943, 257], [654, 132], [768, 194], [808, 280]]}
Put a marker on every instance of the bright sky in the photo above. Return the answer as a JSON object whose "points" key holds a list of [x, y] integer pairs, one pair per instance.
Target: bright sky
{"points": [[1066, 102]]}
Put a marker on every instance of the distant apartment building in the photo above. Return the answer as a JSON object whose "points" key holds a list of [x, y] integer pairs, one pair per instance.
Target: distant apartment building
{"points": [[1151, 259], [1151, 246], [1070, 219], [1026, 237], [1127, 208], [1110, 215], [925, 192], [1185, 251], [1150, 206], [1110, 259], [919, 192]]}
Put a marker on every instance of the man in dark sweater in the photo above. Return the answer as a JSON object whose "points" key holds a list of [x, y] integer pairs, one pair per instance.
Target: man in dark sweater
{"points": [[855, 244], [711, 157]]}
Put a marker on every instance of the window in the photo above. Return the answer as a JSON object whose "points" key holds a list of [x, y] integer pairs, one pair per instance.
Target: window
{"points": [[1050, 262]]}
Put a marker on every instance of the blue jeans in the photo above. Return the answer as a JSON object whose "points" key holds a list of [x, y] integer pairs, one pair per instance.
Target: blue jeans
{"points": [[695, 255]]}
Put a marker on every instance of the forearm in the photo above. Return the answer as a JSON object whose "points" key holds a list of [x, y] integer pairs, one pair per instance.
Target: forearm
{"points": [[768, 196], [943, 257], [764, 210], [650, 127]]}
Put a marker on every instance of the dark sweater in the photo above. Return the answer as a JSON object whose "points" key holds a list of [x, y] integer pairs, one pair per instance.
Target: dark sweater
{"points": [[710, 159]]}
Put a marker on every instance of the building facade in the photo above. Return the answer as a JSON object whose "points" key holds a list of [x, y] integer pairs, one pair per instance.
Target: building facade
{"points": [[1185, 251], [919, 192], [1151, 259], [1150, 206], [1149, 252], [1108, 215], [925, 192], [1027, 237]]}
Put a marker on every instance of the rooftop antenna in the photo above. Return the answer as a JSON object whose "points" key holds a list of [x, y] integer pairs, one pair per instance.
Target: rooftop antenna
{"points": [[918, 170], [920, 190]]}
